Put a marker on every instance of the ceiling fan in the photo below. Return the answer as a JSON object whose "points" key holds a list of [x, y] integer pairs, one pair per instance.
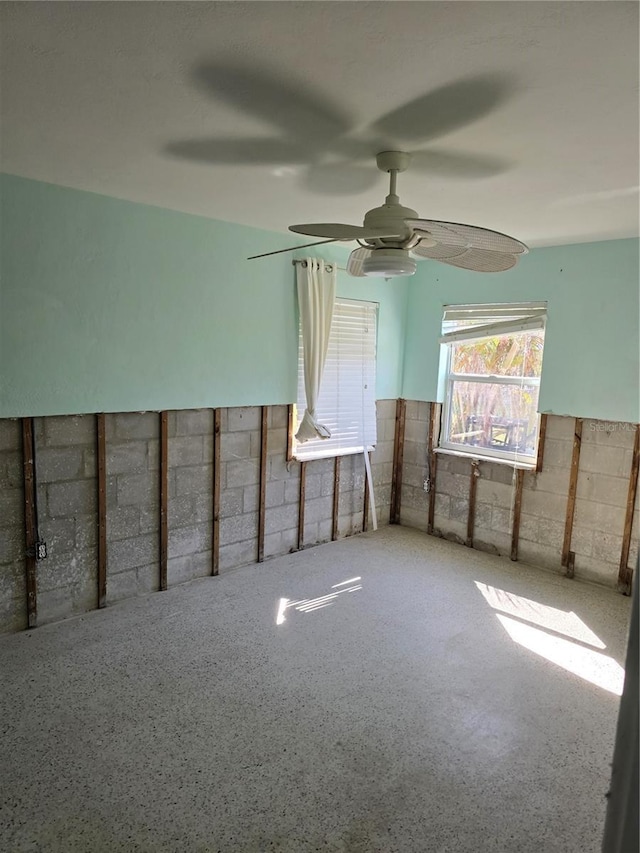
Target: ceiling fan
{"points": [[392, 237]]}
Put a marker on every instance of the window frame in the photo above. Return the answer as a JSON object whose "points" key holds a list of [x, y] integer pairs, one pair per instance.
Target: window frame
{"points": [[333, 452], [535, 318]]}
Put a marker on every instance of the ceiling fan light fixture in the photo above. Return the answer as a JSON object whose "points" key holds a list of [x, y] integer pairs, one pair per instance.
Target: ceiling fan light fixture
{"points": [[388, 263]]}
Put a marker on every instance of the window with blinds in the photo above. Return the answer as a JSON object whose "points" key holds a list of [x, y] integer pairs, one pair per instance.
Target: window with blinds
{"points": [[347, 402]]}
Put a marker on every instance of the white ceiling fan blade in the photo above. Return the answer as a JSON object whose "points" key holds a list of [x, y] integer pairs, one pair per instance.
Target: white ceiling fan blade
{"points": [[356, 260], [482, 260], [338, 231], [456, 234], [438, 252]]}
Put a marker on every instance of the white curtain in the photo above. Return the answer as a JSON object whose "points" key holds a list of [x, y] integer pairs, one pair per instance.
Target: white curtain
{"points": [[316, 294]]}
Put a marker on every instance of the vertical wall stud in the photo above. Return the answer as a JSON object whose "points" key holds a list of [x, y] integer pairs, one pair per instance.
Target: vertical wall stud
{"points": [[571, 500], [215, 550], [625, 575], [289, 432], [164, 493], [303, 475], [336, 498], [433, 463], [541, 439], [263, 482], [473, 486], [398, 456], [29, 521], [365, 508], [101, 452], [517, 508]]}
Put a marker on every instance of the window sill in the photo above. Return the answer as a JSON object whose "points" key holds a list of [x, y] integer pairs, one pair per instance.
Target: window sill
{"points": [[478, 457], [332, 453]]}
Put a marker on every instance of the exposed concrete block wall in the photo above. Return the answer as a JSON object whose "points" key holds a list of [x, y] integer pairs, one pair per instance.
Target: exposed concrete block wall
{"points": [[67, 509], [66, 468], [414, 506], [13, 595], [190, 494], [602, 490], [133, 538]]}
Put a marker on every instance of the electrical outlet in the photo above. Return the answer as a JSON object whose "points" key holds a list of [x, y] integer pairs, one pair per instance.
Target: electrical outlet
{"points": [[41, 550], [427, 485]]}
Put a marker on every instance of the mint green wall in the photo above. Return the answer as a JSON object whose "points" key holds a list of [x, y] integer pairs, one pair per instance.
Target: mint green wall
{"points": [[108, 305], [592, 347]]}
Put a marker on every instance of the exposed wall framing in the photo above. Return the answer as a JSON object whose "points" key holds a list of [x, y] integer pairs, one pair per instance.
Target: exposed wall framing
{"points": [[398, 456], [625, 575], [30, 521], [101, 457], [567, 561]]}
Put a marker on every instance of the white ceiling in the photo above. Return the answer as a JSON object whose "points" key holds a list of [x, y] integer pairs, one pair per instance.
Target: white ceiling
{"points": [[94, 95]]}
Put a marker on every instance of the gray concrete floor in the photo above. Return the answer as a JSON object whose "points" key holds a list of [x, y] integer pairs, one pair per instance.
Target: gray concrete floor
{"points": [[409, 714]]}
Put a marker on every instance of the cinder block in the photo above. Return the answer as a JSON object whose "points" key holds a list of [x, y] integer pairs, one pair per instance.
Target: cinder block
{"points": [[10, 434], [129, 553], [552, 480], [122, 585], [194, 422], [582, 541], [459, 510], [69, 429], [138, 489], [148, 577], [277, 418], [195, 480], [274, 495], [606, 547], [71, 498], [185, 450], [11, 508], [153, 454], [279, 469], [244, 418], [11, 471], [313, 486], [235, 445], [60, 536], [273, 545], [457, 485], [598, 516], [281, 518], [203, 507], [86, 531], [181, 569], [277, 442], [12, 547], [537, 554], [415, 430], [239, 528], [137, 425], [255, 443], [560, 428], [123, 523], [483, 517], [242, 472], [610, 433], [442, 506], [311, 536], [150, 518], [597, 571], [180, 512], [231, 502], [386, 409], [250, 499], [190, 540], [238, 554], [318, 509], [126, 457], [557, 454], [601, 459], [544, 504], [56, 464], [603, 489]]}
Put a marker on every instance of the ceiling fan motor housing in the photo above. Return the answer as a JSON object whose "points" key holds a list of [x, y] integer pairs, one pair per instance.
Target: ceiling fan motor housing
{"points": [[388, 263], [391, 216]]}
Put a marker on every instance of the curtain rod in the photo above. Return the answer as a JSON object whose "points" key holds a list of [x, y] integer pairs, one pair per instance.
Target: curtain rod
{"points": [[304, 263]]}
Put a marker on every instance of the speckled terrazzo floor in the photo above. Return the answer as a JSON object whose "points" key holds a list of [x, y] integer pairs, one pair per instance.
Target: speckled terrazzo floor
{"points": [[401, 717]]}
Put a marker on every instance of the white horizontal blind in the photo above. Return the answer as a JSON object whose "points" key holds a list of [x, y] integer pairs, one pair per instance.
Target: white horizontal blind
{"points": [[347, 401]]}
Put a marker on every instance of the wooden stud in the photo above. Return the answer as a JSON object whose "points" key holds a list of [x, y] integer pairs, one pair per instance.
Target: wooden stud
{"points": [[471, 516], [101, 452], [303, 475], [215, 549], [164, 493], [571, 564], [541, 439], [336, 498], [365, 508], [398, 456], [433, 464], [571, 500], [517, 508], [289, 432], [29, 521], [625, 575], [263, 482]]}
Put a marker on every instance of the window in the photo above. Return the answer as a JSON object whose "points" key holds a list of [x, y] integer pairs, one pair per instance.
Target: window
{"points": [[347, 402], [493, 366]]}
